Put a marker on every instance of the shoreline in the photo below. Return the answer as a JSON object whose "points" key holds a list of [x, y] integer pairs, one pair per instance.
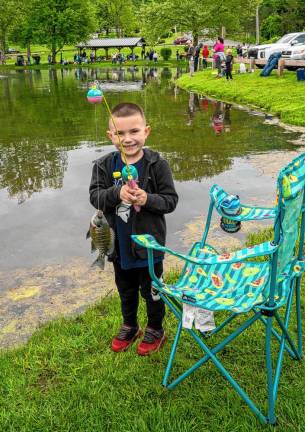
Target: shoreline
{"points": [[250, 92]]}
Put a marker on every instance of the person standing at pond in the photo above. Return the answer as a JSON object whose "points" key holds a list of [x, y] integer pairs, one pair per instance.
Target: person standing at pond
{"points": [[190, 56], [205, 55], [229, 64], [218, 54], [197, 56], [156, 195]]}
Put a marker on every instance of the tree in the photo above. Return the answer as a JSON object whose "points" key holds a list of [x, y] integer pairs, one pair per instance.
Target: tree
{"points": [[22, 31], [281, 16], [189, 15], [118, 15], [8, 15], [60, 22]]}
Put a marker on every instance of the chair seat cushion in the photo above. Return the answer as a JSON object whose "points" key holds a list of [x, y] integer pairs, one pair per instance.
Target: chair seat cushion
{"points": [[223, 286]]}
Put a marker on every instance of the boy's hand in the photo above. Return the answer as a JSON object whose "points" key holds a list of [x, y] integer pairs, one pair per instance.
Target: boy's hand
{"points": [[127, 194], [141, 197]]}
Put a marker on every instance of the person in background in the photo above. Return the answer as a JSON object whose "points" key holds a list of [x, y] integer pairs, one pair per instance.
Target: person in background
{"points": [[155, 56], [219, 54], [229, 64], [205, 55], [190, 56], [92, 56], [239, 50], [197, 56], [177, 55]]}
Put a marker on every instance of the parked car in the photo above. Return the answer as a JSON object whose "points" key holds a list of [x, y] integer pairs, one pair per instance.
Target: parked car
{"points": [[283, 44], [181, 40], [12, 51], [296, 52]]}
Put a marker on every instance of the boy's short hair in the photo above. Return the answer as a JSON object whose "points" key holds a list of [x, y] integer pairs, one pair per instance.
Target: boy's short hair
{"points": [[126, 109]]}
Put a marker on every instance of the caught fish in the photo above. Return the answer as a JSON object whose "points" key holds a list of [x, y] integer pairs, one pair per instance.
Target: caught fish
{"points": [[102, 238]]}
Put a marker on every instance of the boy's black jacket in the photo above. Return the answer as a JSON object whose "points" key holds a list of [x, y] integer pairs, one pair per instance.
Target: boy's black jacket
{"points": [[156, 180]]}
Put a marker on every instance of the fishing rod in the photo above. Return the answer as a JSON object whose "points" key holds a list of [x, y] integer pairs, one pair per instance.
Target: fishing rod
{"points": [[129, 173]]}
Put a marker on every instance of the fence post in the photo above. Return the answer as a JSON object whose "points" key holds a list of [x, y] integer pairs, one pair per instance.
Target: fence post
{"points": [[280, 67], [252, 64]]}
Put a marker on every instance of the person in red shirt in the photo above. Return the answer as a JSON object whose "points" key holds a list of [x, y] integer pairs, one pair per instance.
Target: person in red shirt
{"points": [[205, 55]]}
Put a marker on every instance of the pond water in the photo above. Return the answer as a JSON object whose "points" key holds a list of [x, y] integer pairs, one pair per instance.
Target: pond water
{"points": [[50, 135]]}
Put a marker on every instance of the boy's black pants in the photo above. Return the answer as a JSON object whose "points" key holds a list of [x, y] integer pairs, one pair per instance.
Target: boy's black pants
{"points": [[129, 282], [229, 74]]}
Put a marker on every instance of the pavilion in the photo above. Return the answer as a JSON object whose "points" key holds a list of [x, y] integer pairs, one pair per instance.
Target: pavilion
{"points": [[119, 43]]}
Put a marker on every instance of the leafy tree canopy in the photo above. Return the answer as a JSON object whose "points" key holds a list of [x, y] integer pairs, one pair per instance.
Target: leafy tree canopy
{"points": [[118, 15], [189, 15], [56, 23]]}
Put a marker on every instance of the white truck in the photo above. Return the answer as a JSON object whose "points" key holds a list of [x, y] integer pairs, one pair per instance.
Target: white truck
{"points": [[285, 43]]}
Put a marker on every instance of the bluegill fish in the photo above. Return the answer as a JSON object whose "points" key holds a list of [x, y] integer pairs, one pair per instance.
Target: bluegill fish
{"points": [[102, 238]]}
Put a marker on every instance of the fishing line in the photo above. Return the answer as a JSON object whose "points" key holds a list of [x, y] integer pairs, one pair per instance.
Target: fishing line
{"points": [[123, 154]]}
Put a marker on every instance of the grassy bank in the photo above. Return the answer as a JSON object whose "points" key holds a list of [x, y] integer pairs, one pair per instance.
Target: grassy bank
{"points": [[68, 53], [67, 379], [103, 64], [283, 96]]}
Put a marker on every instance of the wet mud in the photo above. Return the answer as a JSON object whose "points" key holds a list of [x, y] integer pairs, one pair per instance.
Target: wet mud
{"points": [[31, 297]]}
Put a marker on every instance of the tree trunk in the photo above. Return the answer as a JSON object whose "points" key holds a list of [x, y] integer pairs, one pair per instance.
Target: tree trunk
{"points": [[2, 48], [54, 52], [28, 50], [195, 38]]}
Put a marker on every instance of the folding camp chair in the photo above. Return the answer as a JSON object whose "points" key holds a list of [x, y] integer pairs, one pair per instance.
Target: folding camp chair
{"points": [[238, 283]]}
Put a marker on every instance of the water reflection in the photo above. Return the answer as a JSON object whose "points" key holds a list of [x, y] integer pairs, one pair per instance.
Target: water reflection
{"points": [[23, 176], [221, 117], [44, 114]]}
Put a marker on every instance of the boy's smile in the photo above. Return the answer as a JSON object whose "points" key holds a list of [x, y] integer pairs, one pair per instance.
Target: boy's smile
{"points": [[133, 132]]}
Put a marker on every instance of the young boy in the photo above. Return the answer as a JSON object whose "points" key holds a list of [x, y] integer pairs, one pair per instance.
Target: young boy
{"points": [[155, 194], [229, 64]]}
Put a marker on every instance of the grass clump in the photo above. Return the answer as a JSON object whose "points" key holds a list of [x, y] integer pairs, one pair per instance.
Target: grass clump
{"points": [[67, 379], [283, 96]]}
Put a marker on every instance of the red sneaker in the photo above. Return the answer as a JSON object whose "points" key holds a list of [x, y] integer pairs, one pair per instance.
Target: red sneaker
{"points": [[126, 336], [152, 341]]}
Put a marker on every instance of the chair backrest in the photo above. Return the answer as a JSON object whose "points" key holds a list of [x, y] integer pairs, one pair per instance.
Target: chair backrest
{"points": [[291, 184]]}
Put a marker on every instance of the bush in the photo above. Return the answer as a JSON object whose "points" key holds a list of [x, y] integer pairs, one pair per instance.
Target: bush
{"points": [[166, 53], [167, 35]]}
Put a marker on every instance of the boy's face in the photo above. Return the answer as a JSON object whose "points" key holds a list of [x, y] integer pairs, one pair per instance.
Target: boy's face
{"points": [[133, 132]]}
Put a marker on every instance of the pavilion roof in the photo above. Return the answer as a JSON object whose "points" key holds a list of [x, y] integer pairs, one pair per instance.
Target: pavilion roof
{"points": [[111, 43]]}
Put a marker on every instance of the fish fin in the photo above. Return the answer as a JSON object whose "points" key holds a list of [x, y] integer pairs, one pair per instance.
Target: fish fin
{"points": [[99, 262], [112, 242], [93, 247], [88, 234]]}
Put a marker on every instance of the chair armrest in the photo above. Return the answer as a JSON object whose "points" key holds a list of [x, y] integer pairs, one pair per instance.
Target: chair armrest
{"points": [[267, 248], [217, 194]]}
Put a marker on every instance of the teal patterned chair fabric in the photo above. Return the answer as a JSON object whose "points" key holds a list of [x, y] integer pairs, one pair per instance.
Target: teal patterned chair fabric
{"points": [[239, 283]]}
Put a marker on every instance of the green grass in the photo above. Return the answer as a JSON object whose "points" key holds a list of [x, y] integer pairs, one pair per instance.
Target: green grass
{"points": [[283, 96], [67, 379], [104, 64], [69, 51]]}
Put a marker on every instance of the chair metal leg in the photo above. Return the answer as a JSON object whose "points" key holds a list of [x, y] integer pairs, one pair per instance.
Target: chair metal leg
{"points": [[279, 338], [299, 314], [172, 355], [271, 402]]}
